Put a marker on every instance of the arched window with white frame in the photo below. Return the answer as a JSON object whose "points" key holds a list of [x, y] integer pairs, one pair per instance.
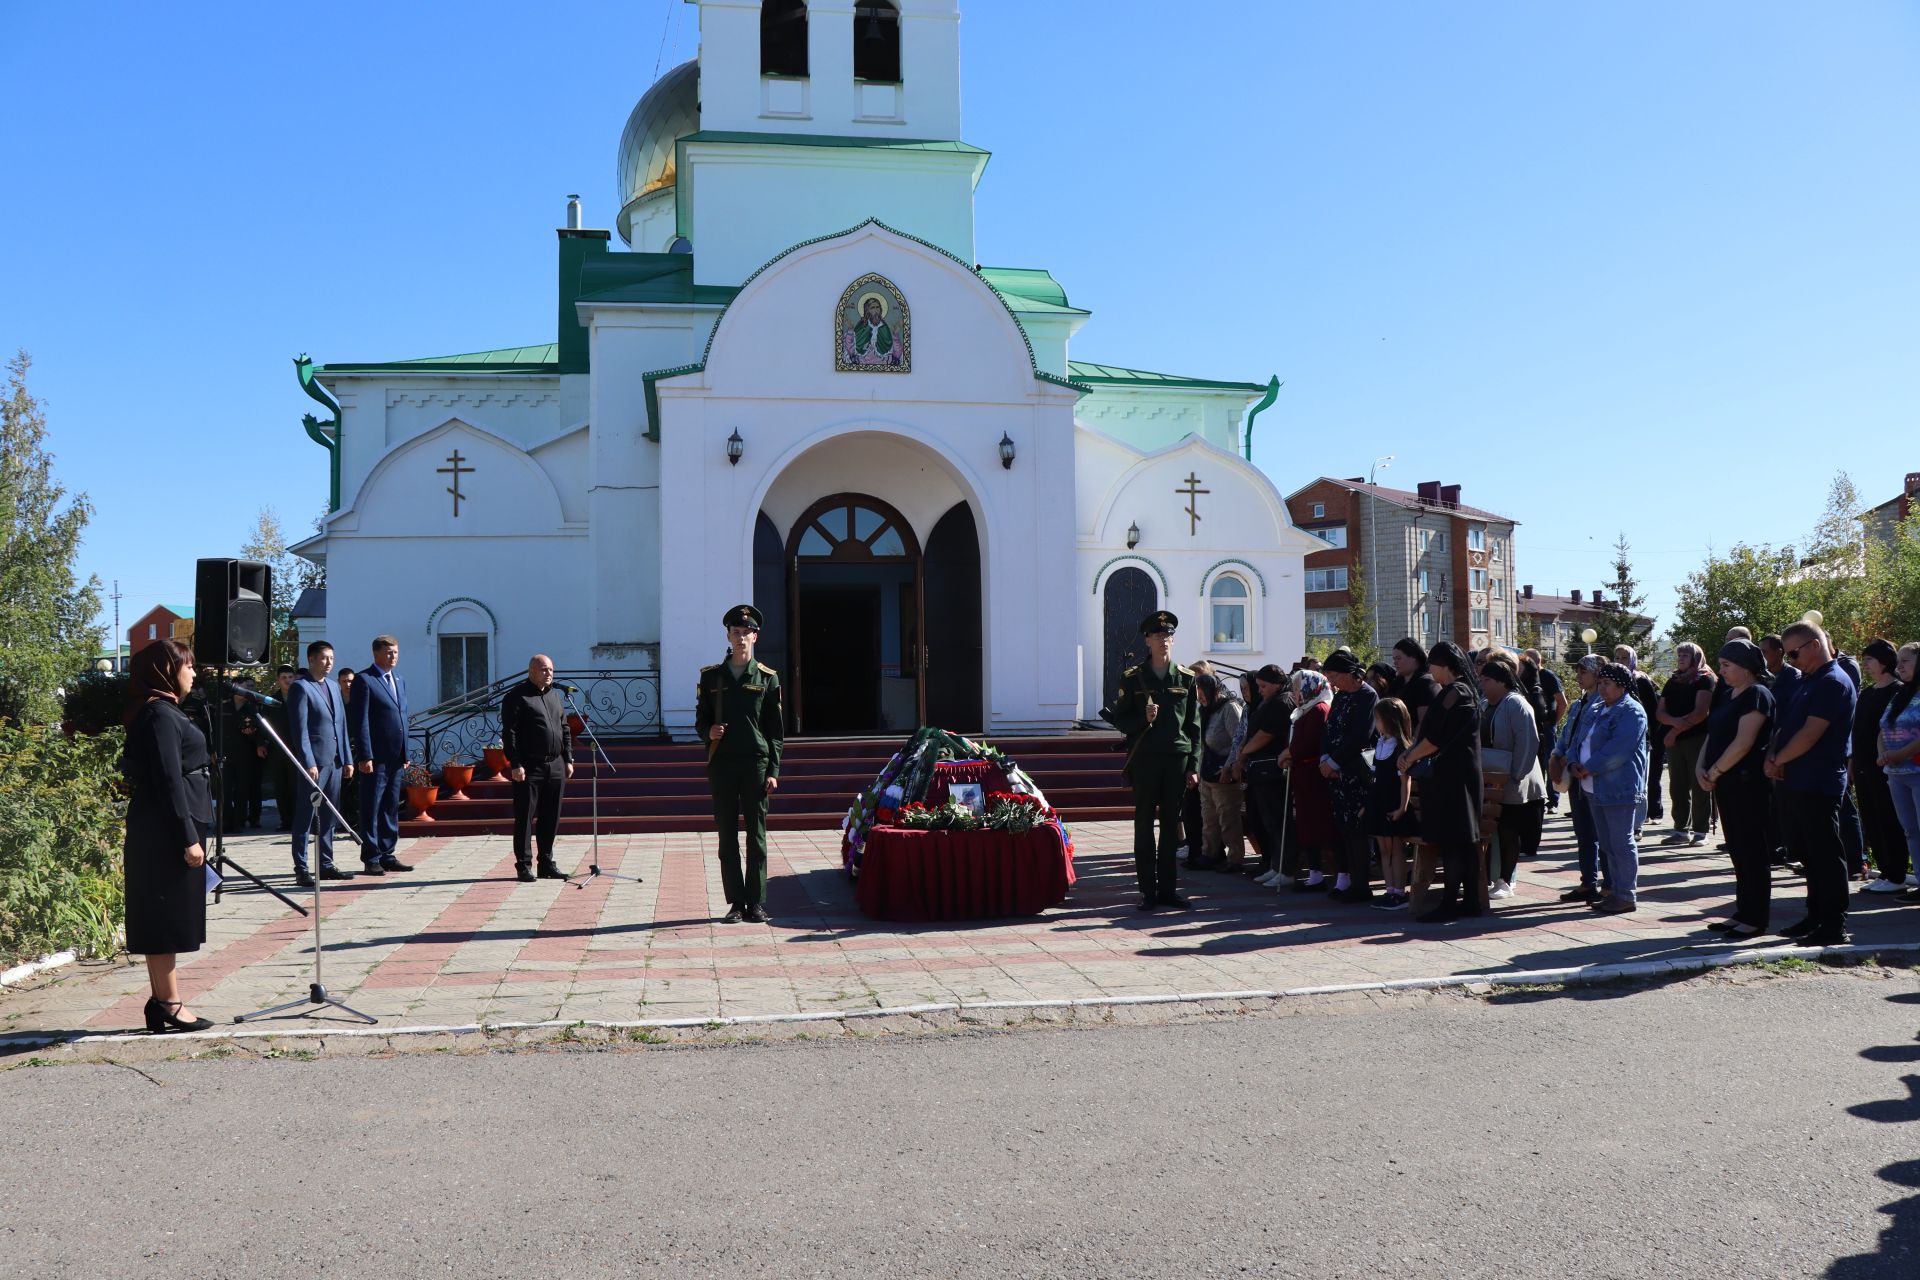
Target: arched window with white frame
{"points": [[463, 639], [1229, 614]]}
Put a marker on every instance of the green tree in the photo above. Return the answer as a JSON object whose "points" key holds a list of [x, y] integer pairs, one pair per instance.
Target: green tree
{"points": [[269, 545], [1747, 587], [1357, 631], [47, 635], [1616, 624]]}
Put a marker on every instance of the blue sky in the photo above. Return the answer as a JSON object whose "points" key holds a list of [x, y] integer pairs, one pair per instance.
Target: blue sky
{"points": [[1636, 266]]}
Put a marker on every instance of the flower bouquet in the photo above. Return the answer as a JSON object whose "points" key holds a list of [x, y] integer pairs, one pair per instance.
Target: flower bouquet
{"points": [[897, 794]]}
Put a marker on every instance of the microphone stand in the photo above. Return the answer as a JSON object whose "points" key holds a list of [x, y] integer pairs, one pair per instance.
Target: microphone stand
{"points": [[593, 857], [220, 861], [324, 810]]}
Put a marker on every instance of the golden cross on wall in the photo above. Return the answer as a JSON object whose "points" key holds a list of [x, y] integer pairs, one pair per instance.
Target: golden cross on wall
{"points": [[456, 471], [1192, 493]]}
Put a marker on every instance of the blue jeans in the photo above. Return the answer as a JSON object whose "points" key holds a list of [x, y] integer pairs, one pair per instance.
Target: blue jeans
{"points": [[1616, 825], [1906, 803], [1586, 837], [380, 809]]}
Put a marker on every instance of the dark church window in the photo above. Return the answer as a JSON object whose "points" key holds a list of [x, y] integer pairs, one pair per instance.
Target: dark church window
{"points": [[783, 38], [876, 41]]}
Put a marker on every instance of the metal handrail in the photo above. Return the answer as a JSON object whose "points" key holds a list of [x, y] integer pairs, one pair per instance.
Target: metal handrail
{"points": [[621, 703]]}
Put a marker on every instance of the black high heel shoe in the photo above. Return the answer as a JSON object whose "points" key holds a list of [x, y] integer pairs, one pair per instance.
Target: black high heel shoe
{"points": [[161, 1020]]}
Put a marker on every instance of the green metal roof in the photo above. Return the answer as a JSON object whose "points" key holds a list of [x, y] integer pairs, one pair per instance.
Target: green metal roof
{"points": [[1029, 284], [532, 359], [833, 140], [1109, 375], [647, 277]]}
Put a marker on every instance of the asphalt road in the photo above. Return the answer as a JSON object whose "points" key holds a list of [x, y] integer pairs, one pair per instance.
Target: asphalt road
{"points": [[1727, 1128]]}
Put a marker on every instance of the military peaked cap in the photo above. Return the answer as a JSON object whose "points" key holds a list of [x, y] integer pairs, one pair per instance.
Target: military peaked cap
{"points": [[742, 615], [1157, 621]]}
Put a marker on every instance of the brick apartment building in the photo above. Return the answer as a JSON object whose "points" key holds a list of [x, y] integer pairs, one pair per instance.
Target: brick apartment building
{"points": [[1559, 620], [1435, 568]]}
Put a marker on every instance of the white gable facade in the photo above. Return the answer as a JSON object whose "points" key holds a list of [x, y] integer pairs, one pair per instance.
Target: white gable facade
{"points": [[794, 389]]}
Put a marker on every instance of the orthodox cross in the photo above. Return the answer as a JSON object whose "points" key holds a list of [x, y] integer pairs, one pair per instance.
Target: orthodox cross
{"points": [[1192, 494], [456, 471]]}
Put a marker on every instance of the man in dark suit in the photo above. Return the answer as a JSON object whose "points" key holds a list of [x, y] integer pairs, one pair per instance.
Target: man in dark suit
{"points": [[377, 727], [319, 742]]}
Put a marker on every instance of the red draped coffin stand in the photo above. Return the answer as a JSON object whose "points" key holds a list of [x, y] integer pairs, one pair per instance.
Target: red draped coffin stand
{"points": [[921, 876]]}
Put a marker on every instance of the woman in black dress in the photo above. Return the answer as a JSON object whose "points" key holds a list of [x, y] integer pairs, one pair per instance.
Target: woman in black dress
{"points": [[1449, 735], [165, 764], [1414, 684]]}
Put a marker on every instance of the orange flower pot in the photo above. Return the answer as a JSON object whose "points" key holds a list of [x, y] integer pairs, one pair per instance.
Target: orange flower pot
{"points": [[576, 725], [457, 777], [496, 759], [422, 798]]}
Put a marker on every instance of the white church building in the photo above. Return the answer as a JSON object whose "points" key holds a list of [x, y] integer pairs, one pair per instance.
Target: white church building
{"points": [[795, 387]]}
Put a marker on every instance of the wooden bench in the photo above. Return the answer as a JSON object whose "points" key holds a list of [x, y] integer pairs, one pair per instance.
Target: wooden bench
{"points": [[1426, 857]]}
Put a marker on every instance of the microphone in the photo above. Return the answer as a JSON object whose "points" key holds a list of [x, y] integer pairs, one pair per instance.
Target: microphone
{"points": [[256, 695], [568, 688]]}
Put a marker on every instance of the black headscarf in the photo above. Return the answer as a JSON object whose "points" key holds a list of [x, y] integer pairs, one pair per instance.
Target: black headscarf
{"points": [[1449, 654], [1412, 649]]}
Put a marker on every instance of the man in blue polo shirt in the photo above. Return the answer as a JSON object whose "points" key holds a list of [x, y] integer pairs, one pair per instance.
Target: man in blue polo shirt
{"points": [[1808, 762]]}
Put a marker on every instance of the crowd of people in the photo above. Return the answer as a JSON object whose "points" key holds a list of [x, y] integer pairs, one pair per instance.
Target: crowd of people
{"points": [[1324, 778]]}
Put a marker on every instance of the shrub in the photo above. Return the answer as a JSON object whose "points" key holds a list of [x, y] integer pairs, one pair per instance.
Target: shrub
{"points": [[60, 835]]}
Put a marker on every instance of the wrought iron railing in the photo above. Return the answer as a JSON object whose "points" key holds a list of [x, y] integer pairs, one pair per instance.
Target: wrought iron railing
{"points": [[620, 704]]}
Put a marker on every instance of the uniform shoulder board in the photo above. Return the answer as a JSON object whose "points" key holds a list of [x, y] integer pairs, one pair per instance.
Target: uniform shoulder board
{"points": [[1185, 671], [765, 670], [1130, 673], [714, 667]]}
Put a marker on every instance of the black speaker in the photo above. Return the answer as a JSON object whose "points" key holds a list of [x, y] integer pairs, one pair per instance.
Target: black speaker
{"points": [[232, 612]]}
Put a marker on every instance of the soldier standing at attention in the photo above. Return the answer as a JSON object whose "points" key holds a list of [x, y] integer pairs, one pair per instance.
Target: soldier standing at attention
{"points": [[1159, 711], [738, 715]]}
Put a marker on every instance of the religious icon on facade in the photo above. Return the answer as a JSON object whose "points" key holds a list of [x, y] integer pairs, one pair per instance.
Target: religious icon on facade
{"points": [[872, 332]]}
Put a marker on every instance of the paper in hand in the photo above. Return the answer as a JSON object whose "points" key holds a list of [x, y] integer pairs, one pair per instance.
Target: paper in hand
{"points": [[213, 877]]}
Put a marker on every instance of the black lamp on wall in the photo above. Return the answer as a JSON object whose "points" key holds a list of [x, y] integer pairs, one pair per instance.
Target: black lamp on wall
{"points": [[1133, 535], [1006, 451], [735, 447]]}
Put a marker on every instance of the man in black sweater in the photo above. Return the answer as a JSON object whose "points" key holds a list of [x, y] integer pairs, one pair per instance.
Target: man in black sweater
{"points": [[534, 734]]}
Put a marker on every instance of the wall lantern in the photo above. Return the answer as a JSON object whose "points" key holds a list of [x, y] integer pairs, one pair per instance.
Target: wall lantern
{"points": [[735, 447], [1133, 535], [1006, 451]]}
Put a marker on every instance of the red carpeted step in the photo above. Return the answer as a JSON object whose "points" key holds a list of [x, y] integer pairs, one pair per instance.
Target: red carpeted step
{"points": [[657, 786]]}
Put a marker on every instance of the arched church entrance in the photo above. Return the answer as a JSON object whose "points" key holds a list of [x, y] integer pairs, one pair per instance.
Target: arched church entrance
{"points": [[854, 624], [859, 599], [1130, 596]]}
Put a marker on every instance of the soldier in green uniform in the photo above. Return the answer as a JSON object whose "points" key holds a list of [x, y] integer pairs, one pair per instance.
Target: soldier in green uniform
{"points": [[1158, 709], [240, 761], [738, 715]]}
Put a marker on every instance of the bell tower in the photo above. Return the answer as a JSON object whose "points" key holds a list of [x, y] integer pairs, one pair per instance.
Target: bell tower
{"points": [[814, 117], [838, 68]]}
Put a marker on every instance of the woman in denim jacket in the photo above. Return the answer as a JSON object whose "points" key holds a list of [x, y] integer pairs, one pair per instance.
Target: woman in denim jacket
{"points": [[1611, 765]]}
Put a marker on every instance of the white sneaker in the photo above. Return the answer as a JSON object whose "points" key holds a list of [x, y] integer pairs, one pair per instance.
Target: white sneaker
{"points": [[1267, 879], [1913, 879], [1181, 853], [1884, 885], [1697, 839], [1501, 889], [1677, 837]]}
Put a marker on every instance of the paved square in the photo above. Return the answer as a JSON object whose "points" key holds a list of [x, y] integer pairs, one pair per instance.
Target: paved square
{"points": [[459, 941]]}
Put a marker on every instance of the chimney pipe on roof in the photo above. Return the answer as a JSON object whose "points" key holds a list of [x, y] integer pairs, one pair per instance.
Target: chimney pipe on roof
{"points": [[1575, 597], [1526, 592], [1913, 483], [1430, 491], [574, 222], [1450, 495]]}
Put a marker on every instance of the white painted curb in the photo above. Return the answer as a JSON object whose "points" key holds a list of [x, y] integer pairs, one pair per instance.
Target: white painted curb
{"points": [[1531, 977], [21, 972]]}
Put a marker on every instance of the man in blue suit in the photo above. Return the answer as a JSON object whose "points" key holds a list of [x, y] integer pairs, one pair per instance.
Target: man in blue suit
{"points": [[318, 739], [377, 727]]}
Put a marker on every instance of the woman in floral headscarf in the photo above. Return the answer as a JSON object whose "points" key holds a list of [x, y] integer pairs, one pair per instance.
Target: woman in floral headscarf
{"points": [[1312, 802]]}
